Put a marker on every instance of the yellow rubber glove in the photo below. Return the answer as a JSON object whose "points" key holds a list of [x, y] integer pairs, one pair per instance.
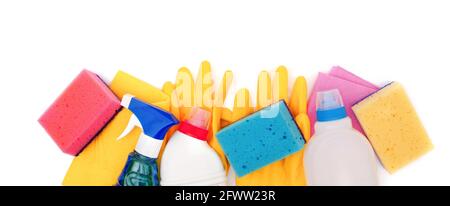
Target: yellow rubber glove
{"points": [[186, 93], [102, 161], [288, 171]]}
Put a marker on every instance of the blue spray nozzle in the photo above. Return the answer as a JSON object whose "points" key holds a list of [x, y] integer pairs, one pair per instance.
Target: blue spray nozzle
{"points": [[329, 106], [154, 121]]}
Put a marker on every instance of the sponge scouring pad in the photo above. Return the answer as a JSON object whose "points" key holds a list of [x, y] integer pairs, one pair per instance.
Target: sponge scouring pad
{"points": [[262, 138], [393, 127], [80, 112]]}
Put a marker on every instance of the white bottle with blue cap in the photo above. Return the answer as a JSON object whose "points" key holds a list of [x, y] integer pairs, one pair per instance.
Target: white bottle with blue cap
{"points": [[337, 154]]}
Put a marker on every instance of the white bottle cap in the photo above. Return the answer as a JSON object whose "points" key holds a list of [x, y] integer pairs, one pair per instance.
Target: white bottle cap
{"points": [[148, 146]]}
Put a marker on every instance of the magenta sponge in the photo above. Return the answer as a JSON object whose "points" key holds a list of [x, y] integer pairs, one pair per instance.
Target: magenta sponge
{"points": [[80, 112]]}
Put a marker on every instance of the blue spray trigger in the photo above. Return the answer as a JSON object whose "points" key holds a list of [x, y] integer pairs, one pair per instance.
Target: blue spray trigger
{"points": [[154, 121]]}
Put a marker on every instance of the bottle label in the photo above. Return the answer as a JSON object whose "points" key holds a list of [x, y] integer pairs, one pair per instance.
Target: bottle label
{"points": [[139, 171]]}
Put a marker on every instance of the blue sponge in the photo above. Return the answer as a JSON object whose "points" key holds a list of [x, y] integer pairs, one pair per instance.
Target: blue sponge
{"points": [[262, 138]]}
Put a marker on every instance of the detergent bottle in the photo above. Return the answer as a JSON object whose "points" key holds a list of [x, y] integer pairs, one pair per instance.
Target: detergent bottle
{"points": [[337, 154], [141, 168], [188, 160]]}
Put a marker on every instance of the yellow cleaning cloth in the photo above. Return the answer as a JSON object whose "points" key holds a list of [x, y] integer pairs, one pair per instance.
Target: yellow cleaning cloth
{"points": [[102, 161], [393, 127]]}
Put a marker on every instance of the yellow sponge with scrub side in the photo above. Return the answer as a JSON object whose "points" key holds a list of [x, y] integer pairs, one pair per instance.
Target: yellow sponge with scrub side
{"points": [[393, 127]]}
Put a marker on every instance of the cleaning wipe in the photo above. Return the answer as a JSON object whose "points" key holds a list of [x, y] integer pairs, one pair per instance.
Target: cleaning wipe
{"points": [[260, 139], [102, 161], [80, 112], [351, 93], [339, 72], [393, 127]]}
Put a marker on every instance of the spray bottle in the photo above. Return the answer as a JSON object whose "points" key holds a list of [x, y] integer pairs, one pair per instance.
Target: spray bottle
{"points": [[141, 168], [337, 154], [188, 160]]}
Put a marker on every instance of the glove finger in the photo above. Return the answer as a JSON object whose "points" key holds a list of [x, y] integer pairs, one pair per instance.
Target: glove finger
{"points": [[222, 92], [169, 89], [220, 96], [264, 91], [280, 85], [242, 105], [303, 123], [203, 87], [298, 100], [184, 90]]}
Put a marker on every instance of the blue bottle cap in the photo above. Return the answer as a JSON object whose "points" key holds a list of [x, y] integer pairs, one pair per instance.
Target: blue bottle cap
{"points": [[329, 106]]}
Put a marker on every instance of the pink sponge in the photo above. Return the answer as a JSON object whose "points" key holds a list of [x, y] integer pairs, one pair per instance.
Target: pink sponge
{"points": [[80, 112], [352, 89]]}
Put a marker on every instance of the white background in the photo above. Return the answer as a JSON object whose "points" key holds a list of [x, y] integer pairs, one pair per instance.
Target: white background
{"points": [[45, 44]]}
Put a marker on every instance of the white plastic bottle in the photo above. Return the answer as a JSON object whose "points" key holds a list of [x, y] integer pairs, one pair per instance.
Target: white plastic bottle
{"points": [[337, 154], [188, 160]]}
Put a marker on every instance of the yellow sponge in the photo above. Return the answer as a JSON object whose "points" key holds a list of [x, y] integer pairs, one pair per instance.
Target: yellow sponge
{"points": [[393, 127]]}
